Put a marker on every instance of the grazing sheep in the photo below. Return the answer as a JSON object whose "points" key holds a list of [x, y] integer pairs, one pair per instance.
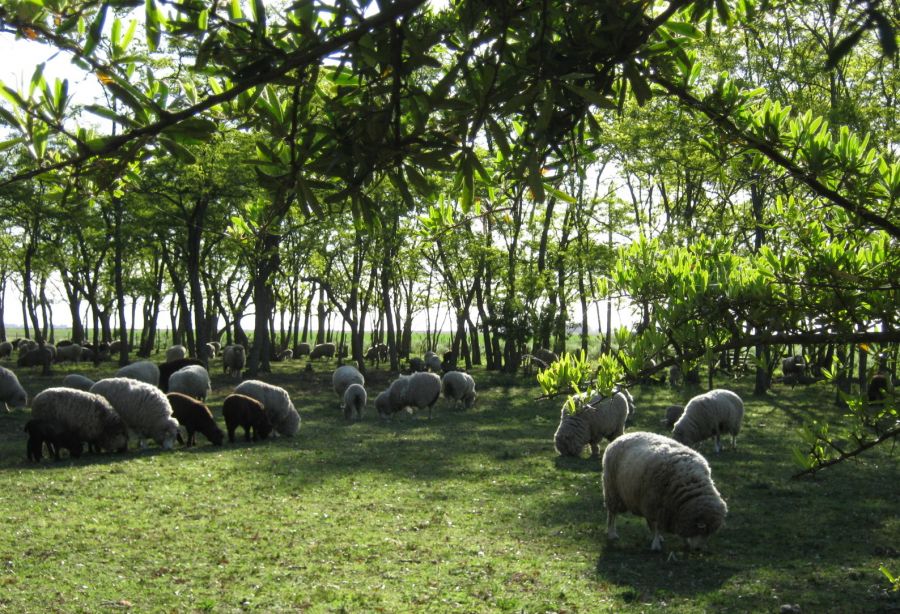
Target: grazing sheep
{"points": [[192, 380], [377, 353], [459, 387], [284, 355], [11, 391], [41, 432], [673, 413], [415, 391], [70, 352], [448, 361], [6, 349], [277, 402], [323, 350], [142, 370], [355, 399], [211, 350], [86, 415], [416, 365], [194, 416], [591, 422], [712, 413], [665, 482], [249, 414], [344, 376], [544, 357], [175, 352], [166, 370], [233, 359], [78, 382], [39, 356], [143, 407], [433, 362], [301, 349], [675, 376]]}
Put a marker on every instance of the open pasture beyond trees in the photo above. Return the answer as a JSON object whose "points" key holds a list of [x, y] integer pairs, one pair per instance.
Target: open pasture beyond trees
{"points": [[471, 511]]}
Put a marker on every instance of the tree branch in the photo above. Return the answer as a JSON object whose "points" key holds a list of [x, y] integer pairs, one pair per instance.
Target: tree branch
{"points": [[894, 432]]}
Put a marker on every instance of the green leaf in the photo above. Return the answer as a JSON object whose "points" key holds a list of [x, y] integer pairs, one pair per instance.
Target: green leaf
{"points": [[638, 82], [844, 47], [684, 29], [560, 194], [595, 98], [177, 150], [234, 10], [153, 26], [4, 145], [96, 30]]}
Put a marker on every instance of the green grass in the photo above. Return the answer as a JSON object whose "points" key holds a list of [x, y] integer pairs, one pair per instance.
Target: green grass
{"points": [[472, 511]]}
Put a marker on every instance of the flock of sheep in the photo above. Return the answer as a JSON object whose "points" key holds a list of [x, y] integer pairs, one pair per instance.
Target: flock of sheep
{"points": [[659, 478]]}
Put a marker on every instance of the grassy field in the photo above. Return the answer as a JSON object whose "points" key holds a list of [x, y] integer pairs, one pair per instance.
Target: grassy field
{"points": [[471, 511]]}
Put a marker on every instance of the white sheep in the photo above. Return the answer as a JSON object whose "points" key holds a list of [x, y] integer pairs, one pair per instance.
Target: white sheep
{"points": [[277, 403], [416, 391], [673, 413], [665, 482], [89, 416], [710, 414], [142, 370], [143, 407], [11, 391], [175, 352], [591, 422], [77, 381], [192, 380], [355, 399], [233, 359], [433, 362], [459, 387], [342, 377]]}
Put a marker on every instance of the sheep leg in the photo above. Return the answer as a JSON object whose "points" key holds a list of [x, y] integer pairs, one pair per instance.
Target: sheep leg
{"points": [[718, 443], [656, 544], [611, 533], [595, 449]]}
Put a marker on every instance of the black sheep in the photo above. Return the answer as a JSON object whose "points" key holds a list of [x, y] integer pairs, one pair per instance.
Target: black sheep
{"points": [[41, 432], [194, 416], [241, 410]]}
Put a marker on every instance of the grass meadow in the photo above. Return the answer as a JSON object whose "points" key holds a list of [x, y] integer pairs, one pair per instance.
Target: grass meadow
{"points": [[471, 511]]}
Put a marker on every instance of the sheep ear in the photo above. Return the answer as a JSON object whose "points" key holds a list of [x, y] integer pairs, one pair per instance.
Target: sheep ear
{"points": [[701, 525]]}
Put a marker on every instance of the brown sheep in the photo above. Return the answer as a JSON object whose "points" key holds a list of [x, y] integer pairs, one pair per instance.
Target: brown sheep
{"points": [[194, 416], [248, 413]]}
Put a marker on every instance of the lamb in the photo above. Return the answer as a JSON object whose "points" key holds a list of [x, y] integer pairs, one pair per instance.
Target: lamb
{"points": [[192, 380], [591, 422], [673, 413], [277, 402], [344, 376], [248, 413], [142, 370], [712, 413], [175, 352], [166, 370], [194, 416], [41, 432], [323, 350], [233, 359], [11, 391], [143, 407], [665, 482], [355, 399], [418, 391], [78, 382], [459, 387], [70, 352], [86, 415]]}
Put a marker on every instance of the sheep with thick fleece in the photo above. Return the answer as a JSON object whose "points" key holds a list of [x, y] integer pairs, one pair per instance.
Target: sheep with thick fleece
{"points": [[195, 416], [673, 413], [11, 391], [416, 391], [355, 399], [87, 415], [323, 350], [591, 422], [459, 387], [192, 380], [77, 381], [710, 414], [343, 377], [6, 349], [142, 370], [233, 359], [70, 352], [143, 407], [665, 482], [277, 402], [433, 362], [166, 370], [175, 352]]}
